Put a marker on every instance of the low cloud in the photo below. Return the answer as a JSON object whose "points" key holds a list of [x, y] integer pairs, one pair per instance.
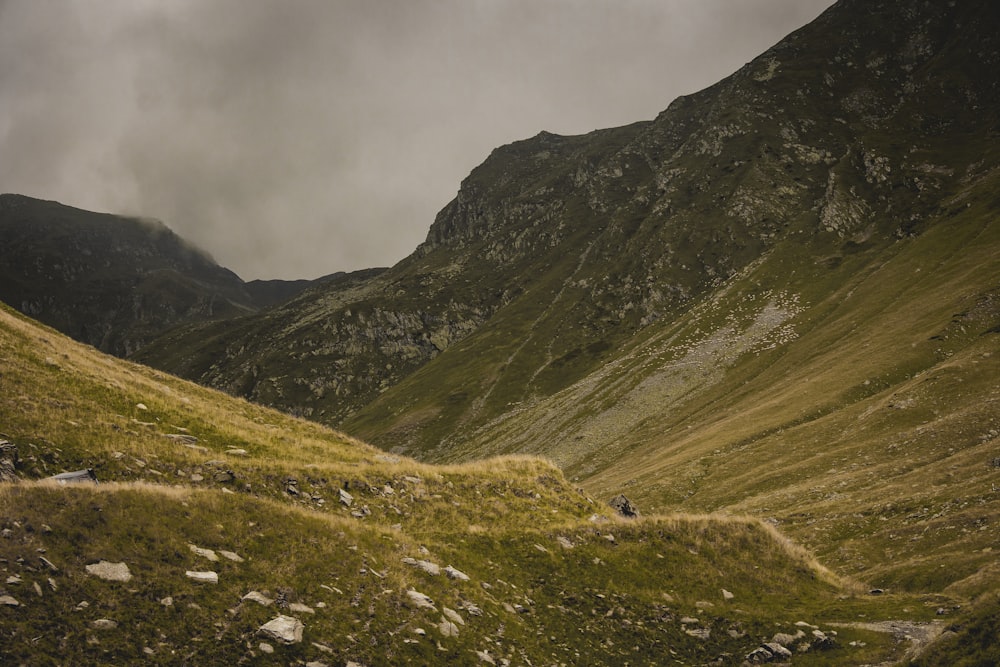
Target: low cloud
{"points": [[294, 139]]}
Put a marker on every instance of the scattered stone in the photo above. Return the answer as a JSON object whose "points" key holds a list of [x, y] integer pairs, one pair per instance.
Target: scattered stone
{"points": [[141, 406], [230, 555], [453, 616], [428, 567], [47, 563], [473, 609], [876, 591], [265, 648], [726, 595], [624, 506], [322, 647], [204, 553], [104, 624], [38, 589], [181, 438], [456, 574], [109, 571], [259, 598], [777, 650], [759, 656], [316, 663], [346, 498], [195, 477], [204, 577], [564, 542], [541, 548], [484, 656], [301, 608], [687, 620], [224, 476], [236, 452], [786, 639], [87, 476], [699, 633], [147, 650], [14, 579], [53, 585], [8, 601], [285, 629], [420, 600], [292, 486], [447, 628], [8, 461], [412, 480], [167, 601], [82, 605]]}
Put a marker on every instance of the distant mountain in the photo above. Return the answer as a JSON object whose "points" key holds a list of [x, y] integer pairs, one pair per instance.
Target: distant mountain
{"points": [[115, 282]]}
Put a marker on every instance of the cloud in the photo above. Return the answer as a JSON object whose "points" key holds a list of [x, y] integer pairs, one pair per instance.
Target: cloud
{"points": [[297, 138]]}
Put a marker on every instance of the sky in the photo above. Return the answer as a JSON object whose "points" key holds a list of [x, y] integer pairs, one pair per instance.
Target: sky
{"points": [[296, 138]]}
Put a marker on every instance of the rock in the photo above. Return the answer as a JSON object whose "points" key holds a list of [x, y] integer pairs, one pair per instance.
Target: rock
{"points": [[87, 476], [104, 624], [786, 639], [236, 558], [726, 595], [420, 600], [316, 663], [429, 567], [301, 608], [236, 452], [456, 574], [224, 476], [759, 656], [447, 628], [109, 571], [204, 553], [624, 506], [181, 438], [265, 647], [346, 498], [14, 579], [167, 601], [453, 616], [292, 486], [47, 563], [699, 633], [259, 598], [205, 577], [484, 656], [876, 591], [285, 629], [564, 542], [8, 601], [141, 406], [777, 650], [8, 461]]}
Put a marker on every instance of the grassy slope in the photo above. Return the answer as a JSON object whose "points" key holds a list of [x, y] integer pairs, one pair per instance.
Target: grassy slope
{"points": [[67, 407]]}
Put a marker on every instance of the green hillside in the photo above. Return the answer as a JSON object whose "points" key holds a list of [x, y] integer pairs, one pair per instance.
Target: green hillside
{"points": [[337, 534]]}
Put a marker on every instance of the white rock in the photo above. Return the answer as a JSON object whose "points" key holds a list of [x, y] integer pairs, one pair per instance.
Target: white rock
{"points": [[231, 555], [104, 624], [346, 498], [726, 595], [455, 574], [564, 542], [109, 571], [204, 553], [203, 577], [301, 608], [484, 656], [141, 406], [167, 601], [447, 628], [420, 600], [236, 452], [259, 598], [8, 601], [266, 648], [452, 615], [284, 629]]}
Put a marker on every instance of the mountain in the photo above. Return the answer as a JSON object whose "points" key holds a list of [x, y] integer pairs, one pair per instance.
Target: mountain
{"points": [[115, 282], [221, 532]]}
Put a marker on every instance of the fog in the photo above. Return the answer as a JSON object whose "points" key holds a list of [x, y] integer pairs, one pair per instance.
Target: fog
{"points": [[295, 138]]}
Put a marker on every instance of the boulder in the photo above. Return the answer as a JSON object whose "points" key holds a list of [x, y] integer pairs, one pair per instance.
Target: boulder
{"points": [[259, 598], [420, 600], [285, 629], [109, 571], [624, 506], [456, 574], [207, 577]]}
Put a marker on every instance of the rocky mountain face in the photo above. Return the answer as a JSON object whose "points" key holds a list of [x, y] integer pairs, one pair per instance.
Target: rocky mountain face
{"points": [[780, 297], [115, 282]]}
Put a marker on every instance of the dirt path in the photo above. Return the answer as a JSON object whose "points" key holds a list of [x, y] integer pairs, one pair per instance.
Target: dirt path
{"points": [[920, 635]]}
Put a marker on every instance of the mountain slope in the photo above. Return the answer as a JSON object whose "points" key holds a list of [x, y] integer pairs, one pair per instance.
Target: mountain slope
{"points": [[300, 522], [115, 282]]}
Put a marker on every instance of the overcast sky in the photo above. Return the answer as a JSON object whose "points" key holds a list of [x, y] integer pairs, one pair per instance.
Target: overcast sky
{"points": [[295, 138]]}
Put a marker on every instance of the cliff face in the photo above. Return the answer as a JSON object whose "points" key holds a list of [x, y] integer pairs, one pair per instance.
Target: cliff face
{"points": [[839, 141]]}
